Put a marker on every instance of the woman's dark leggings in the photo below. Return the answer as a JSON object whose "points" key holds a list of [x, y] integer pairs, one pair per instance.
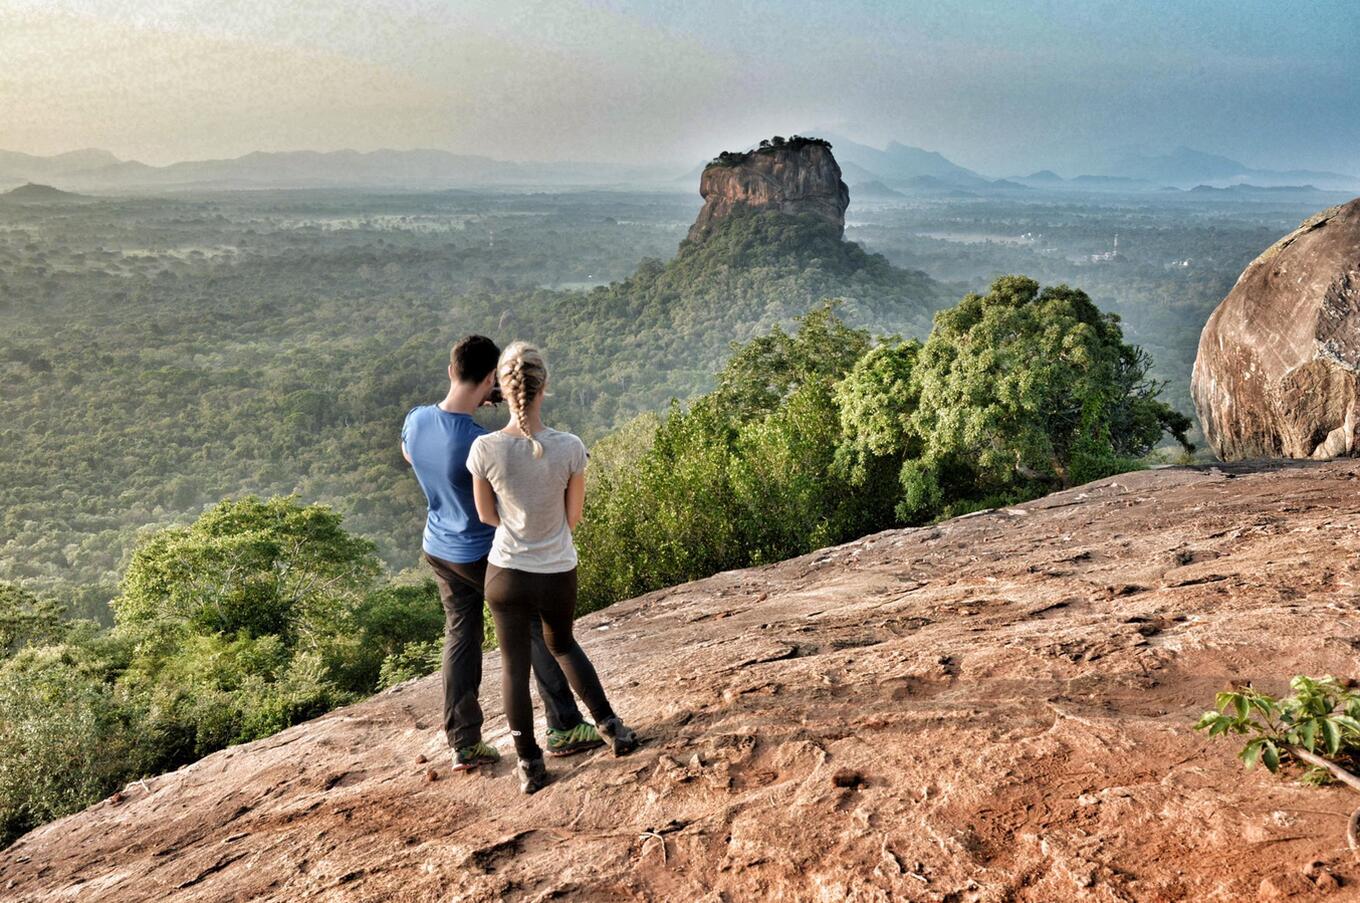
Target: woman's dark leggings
{"points": [[515, 598]]}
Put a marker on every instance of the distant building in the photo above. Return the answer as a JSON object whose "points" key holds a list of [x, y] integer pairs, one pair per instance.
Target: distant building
{"points": [[1112, 254]]}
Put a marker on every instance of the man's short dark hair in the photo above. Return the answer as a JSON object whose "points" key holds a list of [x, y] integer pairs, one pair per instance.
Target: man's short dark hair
{"points": [[473, 358]]}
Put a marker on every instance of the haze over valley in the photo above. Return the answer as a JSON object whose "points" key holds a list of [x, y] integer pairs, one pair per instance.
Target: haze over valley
{"points": [[959, 382]]}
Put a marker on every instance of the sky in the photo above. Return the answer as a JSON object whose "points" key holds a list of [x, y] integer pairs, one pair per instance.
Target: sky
{"points": [[1001, 86]]}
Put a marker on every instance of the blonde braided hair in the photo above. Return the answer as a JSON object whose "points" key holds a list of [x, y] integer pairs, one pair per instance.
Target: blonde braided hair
{"points": [[522, 372]]}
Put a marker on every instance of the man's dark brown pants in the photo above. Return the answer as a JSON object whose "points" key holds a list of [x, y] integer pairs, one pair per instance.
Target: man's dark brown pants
{"points": [[461, 589]]}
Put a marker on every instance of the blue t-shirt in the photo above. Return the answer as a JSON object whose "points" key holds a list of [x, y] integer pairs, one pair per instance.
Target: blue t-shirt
{"points": [[438, 443]]}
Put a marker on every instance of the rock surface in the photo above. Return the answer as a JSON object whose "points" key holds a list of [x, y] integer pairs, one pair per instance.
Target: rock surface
{"points": [[996, 708], [795, 178], [1278, 366]]}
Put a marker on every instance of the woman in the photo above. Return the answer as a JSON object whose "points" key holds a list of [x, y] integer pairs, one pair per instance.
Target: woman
{"points": [[528, 482]]}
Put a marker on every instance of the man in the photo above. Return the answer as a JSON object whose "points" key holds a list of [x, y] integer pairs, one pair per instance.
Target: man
{"points": [[435, 440]]}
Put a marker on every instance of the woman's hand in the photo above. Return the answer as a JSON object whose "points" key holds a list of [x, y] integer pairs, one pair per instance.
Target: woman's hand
{"points": [[576, 499], [485, 497]]}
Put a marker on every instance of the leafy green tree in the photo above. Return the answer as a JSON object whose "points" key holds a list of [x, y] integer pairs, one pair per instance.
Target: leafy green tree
{"points": [[250, 619], [1022, 390], [27, 620], [737, 478], [65, 741], [410, 661], [762, 373], [388, 621], [273, 567], [875, 403]]}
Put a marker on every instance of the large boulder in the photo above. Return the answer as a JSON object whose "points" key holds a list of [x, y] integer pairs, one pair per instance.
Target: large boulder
{"points": [[795, 176], [1278, 369]]}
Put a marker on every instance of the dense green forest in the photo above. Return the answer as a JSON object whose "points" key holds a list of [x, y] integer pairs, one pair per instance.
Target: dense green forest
{"points": [[202, 399], [158, 356], [262, 614]]}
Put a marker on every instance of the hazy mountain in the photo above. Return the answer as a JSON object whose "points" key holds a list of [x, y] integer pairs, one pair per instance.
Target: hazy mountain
{"points": [[897, 163], [99, 170], [873, 191], [18, 168], [899, 167], [1044, 175], [33, 193], [1185, 167]]}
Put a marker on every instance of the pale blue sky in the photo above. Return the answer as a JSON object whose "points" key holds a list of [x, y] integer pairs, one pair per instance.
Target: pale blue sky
{"points": [[1004, 87]]}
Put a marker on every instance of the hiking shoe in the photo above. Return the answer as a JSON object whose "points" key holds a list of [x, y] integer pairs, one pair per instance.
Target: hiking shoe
{"points": [[573, 740], [479, 753], [620, 737], [532, 775]]}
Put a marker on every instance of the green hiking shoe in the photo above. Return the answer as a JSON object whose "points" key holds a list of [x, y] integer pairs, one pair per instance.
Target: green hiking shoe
{"points": [[479, 753], [573, 740]]}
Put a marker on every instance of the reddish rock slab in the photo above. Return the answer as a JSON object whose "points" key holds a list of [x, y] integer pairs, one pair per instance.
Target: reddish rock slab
{"points": [[994, 708]]}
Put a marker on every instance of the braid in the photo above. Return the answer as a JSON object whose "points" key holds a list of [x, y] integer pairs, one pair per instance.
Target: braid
{"points": [[522, 373]]}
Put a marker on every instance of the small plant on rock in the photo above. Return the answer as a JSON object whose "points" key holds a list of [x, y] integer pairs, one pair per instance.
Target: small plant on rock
{"points": [[1317, 725]]}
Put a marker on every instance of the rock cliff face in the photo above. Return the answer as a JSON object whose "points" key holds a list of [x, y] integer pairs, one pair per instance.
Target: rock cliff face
{"points": [[1278, 369], [993, 708], [800, 176]]}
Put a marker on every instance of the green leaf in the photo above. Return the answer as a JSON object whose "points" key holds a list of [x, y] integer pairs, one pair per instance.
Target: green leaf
{"points": [[1208, 719], [1240, 703], [1263, 704], [1332, 732], [1348, 722], [1250, 753], [1308, 734], [1270, 756]]}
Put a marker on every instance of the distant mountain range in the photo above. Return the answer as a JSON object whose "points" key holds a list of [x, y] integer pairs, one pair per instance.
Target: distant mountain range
{"points": [[913, 170], [96, 170], [1186, 168], [897, 169]]}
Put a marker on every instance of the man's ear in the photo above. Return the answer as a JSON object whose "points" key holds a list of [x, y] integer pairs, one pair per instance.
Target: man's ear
{"points": [[451, 376]]}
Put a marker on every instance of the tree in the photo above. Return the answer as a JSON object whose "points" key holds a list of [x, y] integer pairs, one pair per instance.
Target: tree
{"points": [[1022, 391], [765, 371], [243, 623], [249, 566], [64, 740], [27, 620], [875, 403]]}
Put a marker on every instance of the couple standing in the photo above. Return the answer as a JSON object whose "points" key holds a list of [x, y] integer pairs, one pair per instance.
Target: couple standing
{"points": [[502, 507]]}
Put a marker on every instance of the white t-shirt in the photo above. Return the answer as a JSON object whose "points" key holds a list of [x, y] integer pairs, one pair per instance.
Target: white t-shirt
{"points": [[530, 497]]}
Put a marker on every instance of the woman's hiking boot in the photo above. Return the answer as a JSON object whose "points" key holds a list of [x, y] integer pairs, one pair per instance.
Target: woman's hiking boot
{"points": [[532, 775], [619, 736], [479, 753], [573, 740]]}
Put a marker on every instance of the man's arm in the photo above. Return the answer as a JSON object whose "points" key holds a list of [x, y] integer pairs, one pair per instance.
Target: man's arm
{"points": [[404, 453], [485, 497]]}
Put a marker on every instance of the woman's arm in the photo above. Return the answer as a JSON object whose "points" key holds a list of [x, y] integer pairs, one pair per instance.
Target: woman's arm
{"points": [[576, 499], [485, 497]]}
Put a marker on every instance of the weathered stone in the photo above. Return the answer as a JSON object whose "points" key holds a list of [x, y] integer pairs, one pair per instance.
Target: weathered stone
{"points": [[799, 177], [1278, 369]]}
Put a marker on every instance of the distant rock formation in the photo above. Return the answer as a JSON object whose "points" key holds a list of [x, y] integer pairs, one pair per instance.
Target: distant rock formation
{"points": [[795, 176], [1278, 369]]}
